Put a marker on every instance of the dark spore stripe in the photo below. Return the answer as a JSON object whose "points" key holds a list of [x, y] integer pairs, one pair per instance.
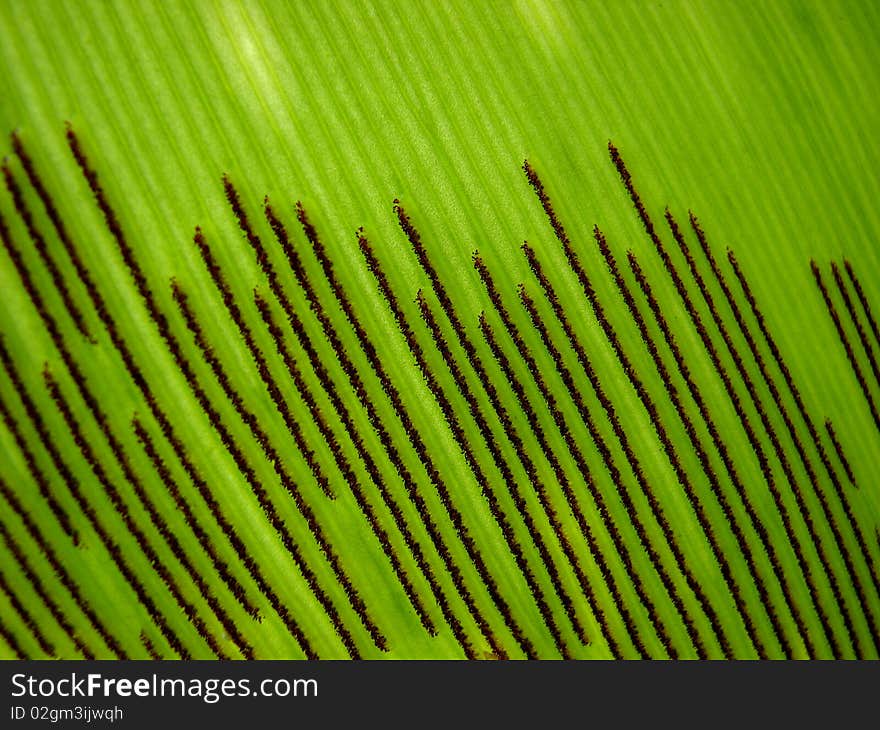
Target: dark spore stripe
{"points": [[43, 250], [793, 389], [22, 612], [76, 373], [79, 497], [171, 540], [847, 346], [452, 511], [110, 218], [799, 446], [271, 454], [132, 368], [857, 322], [561, 477], [363, 397], [49, 554], [780, 361], [832, 434], [777, 445], [863, 300], [46, 490], [402, 414], [27, 283], [76, 492], [745, 422], [548, 510], [754, 521], [592, 602], [12, 642], [149, 647], [597, 496], [869, 352], [680, 288], [595, 493], [872, 623], [351, 478], [617, 479], [644, 396], [513, 437], [763, 415], [235, 398], [247, 471], [58, 224], [161, 323], [72, 367], [37, 584], [497, 512], [286, 480], [623, 439], [123, 512], [173, 488], [767, 542]]}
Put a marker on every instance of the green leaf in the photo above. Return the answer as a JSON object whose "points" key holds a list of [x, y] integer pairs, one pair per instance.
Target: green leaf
{"points": [[279, 460]]}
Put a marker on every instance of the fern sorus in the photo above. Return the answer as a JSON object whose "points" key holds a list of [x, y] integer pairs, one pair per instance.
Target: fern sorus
{"points": [[309, 447]]}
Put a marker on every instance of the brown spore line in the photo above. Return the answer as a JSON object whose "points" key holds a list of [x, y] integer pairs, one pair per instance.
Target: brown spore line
{"points": [[758, 358], [671, 269], [117, 341], [168, 536], [182, 300], [60, 344], [271, 275], [786, 373], [46, 490], [171, 486], [39, 588], [149, 647], [507, 478], [162, 325], [614, 471], [247, 471], [847, 345], [544, 500], [708, 469], [110, 218], [838, 448], [76, 492], [124, 513], [23, 613], [584, 527], [476, 363], [443, 491], [644, 397], [863, 300], [726, 458], [596, 494], [455, 427], [561, 477], [856, 580], [352, 374], [304, 340], [352, 479], [867, 348], [292, 489], [412, 489], [59, 226], [46, 256], [12, 641], [51, 557], [792, 386]]}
